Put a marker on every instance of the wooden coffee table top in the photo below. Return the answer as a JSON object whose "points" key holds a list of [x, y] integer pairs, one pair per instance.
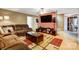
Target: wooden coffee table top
{"points": [[36, 34]]}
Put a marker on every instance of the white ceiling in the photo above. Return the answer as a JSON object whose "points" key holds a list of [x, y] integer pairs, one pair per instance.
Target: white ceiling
{"points": [[36, 11]]}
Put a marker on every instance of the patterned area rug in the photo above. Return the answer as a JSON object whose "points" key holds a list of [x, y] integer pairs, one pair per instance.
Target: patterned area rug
{"points": [[56, 42], [46, 44], [62, 41]]}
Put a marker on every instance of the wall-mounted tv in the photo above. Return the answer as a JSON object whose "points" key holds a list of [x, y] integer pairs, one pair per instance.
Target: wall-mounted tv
{"points": [[46, 18]]}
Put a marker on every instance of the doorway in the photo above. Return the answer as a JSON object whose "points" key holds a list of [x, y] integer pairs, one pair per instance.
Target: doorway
{"points": [[72, 24]]}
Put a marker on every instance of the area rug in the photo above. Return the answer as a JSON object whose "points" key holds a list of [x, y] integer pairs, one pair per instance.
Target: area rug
{"points": [[28, 42], [56, 42]]}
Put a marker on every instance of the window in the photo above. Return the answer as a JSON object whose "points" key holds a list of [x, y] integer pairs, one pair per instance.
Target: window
{"points": [[29, 21], [1, 18], [75, 21], [6, 17]]}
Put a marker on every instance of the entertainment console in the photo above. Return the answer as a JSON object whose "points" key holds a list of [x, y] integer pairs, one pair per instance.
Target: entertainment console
{"points": [[46, 30]]}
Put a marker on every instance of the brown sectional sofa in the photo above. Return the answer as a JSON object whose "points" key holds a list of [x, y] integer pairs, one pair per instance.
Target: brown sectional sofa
{"points": [[18, 29], [21, 29], [9, 38], [12, 42]]}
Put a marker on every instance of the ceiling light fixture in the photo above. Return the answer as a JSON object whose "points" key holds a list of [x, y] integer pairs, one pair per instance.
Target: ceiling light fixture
{"points": [[43, 11]]}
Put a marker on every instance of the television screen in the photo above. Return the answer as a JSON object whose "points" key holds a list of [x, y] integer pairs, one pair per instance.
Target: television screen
{"points": [[46, 18]]}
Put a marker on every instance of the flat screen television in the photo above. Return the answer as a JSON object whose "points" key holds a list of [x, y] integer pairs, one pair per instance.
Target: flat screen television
{"points": [[46, 18]]}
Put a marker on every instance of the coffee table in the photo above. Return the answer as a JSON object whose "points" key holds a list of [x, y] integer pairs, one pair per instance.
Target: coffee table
{"points": [[35, 37]]}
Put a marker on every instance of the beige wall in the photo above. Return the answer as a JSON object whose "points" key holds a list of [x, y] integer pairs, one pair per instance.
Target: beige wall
{"points": [[60, 22], [17, 18]]}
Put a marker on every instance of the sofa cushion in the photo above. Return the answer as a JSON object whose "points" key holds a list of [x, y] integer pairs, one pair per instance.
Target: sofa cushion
{"points": [[2, 45], [1, 31], [9, 40]]}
